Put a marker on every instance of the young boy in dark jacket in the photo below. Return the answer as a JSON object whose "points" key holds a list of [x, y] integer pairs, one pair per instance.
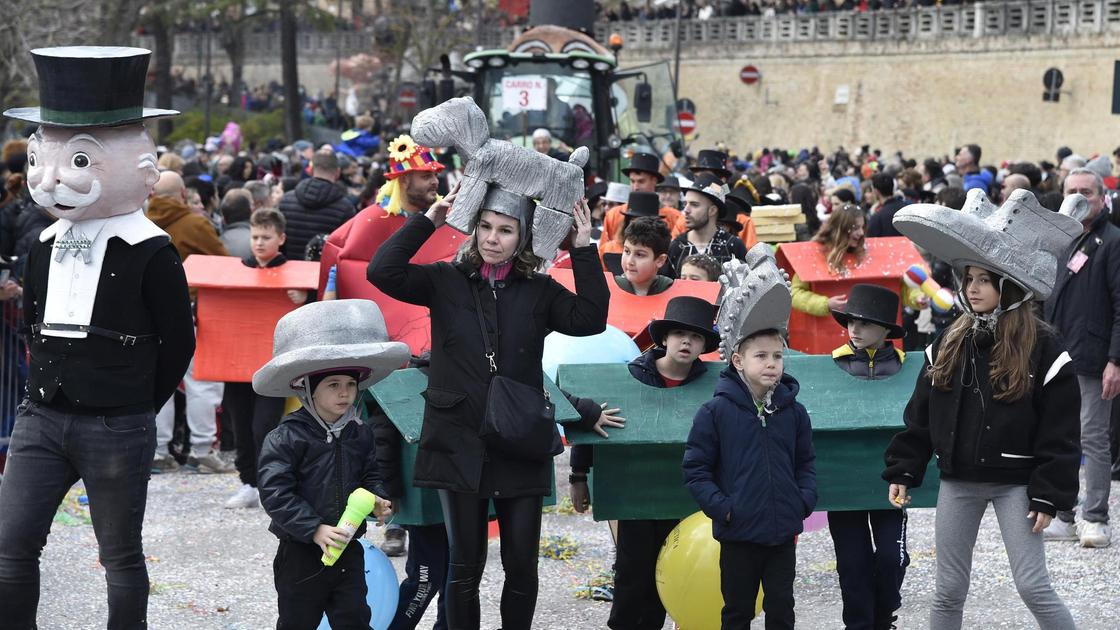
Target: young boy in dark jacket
{"points": [[749, 457], [682, 335], [321, 453], [870, 545]]}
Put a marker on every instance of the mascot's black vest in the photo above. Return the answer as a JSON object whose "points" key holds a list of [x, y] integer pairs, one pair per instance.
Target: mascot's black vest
{"points": [[97, 372]]}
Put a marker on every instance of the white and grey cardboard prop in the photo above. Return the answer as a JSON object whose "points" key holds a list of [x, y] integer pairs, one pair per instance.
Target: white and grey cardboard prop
{"points": [[756, 297], [1020, 239], [556, 186]]}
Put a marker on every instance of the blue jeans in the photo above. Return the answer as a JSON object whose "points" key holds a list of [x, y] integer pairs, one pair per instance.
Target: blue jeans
{"points": [[425, 576], [49, 452]]}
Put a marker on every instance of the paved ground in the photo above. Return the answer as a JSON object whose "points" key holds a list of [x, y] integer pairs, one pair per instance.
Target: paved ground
{"points": [[211, 569]]}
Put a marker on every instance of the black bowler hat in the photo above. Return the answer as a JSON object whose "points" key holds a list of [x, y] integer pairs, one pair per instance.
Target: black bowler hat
{"points": [[739, 200], [645, 163], [711, 160], [643, 204], [90, 86], [671, 183], [687, 313], [875, 304]]}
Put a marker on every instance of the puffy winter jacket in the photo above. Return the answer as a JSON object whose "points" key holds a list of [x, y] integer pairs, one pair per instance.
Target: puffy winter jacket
{"points": [[752, 474], [304, 481], [316, 206]]}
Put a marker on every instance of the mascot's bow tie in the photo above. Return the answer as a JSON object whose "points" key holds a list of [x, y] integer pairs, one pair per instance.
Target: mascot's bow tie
{"points": [[74, 243]]}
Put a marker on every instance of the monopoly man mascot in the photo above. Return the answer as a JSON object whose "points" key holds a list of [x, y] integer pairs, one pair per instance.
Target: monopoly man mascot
{"points": [[108, 324]]}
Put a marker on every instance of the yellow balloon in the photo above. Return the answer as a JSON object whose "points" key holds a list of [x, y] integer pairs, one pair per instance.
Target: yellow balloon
{"points": [[688, 575]]}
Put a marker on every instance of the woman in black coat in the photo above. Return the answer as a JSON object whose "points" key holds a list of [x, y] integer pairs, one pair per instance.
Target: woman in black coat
{"points": [[520, 307]]}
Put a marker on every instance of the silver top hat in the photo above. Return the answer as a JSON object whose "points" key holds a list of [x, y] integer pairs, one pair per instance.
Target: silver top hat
{"points": [[756, 297], [1020, 239], [324, 336]]}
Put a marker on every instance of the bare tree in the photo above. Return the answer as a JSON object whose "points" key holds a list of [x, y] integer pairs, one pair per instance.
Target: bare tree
{"points": [[293, 124]]}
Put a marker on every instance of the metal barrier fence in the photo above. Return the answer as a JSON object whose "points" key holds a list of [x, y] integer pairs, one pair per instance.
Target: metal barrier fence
{"points": [[13, 370]]}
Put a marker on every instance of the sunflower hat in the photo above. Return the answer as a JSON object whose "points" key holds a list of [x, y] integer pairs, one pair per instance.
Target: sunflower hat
{"points": [[405, 156]]}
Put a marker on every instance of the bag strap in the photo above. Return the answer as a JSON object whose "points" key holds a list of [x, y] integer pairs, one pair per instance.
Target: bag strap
{"points": [[485, 335]]}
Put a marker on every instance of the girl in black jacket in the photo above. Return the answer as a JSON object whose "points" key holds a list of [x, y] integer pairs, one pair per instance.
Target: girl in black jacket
{"points": [[519, 308], [997, 404]]}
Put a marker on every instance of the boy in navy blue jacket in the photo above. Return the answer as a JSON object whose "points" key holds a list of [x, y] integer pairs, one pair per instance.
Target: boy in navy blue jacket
{"points": [[749, 465], [749, 457]]}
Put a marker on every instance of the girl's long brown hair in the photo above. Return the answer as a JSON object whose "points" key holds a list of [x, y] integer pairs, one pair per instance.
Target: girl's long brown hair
{"points": [[835, 236], [1009, 367]]}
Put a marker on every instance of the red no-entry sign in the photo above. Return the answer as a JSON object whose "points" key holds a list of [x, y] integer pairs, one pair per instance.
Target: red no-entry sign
{"points": [[407, 98], [749, 75], [685, 124]]}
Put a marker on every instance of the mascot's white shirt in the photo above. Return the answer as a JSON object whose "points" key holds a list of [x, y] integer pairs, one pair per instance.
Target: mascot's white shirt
{"points": [[72, 282]]}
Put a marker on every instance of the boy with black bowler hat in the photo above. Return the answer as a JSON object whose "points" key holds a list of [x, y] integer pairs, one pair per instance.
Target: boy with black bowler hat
{"points": [[686, 332], [870, 545]]}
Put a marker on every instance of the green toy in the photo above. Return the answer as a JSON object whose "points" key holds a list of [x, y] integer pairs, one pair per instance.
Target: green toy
{"points": [[359, 505]]}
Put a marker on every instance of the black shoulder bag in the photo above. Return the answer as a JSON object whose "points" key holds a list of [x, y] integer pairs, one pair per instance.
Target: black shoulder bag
{"points": [[520, 420]]}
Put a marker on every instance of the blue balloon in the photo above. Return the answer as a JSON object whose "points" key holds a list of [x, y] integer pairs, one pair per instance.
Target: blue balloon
{"points": [[382, 589], [610, 346]]}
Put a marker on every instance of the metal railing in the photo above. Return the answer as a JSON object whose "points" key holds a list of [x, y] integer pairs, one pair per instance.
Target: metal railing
{"points": [[983, 19]]}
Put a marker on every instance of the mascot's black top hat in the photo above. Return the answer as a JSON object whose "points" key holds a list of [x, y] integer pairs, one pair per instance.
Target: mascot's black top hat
{"points": [[90, 86]]}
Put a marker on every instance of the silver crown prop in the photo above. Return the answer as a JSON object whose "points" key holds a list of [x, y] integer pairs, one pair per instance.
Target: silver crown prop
{"points": [[556, 186], [756, 297], [1020, 239]]}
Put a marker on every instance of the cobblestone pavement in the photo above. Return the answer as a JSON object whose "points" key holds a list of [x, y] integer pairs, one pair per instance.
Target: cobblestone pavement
{"points": [[211, 569]]}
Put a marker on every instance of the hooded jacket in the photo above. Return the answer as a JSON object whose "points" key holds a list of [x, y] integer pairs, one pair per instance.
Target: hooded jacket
{"points": [[316, 206], [867, 364], [644, 370], [753, 475], [305, 482], [190, 232]]}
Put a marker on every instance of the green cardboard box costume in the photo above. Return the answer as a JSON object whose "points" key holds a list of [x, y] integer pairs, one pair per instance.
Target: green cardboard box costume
{"points": [[637, 473], [399, 397]]}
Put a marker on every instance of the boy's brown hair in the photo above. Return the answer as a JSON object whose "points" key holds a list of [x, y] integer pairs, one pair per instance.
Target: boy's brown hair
{"points": [[707, 263], [648, 232], [267, 217]]}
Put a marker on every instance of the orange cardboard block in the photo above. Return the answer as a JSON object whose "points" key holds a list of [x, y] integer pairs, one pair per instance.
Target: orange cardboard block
{"points": [[238, 308], [353, 245], [886, 261], [632, 313]]}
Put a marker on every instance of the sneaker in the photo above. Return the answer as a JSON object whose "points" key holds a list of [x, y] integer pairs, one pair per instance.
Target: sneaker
{"points": [[229, 457], [164, 464], [245, 497], [1095, 534], [210, 463], [394, 543], [1059, 530]]}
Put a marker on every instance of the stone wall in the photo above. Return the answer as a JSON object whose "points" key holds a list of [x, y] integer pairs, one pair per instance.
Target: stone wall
{"points": [[923, 97]]}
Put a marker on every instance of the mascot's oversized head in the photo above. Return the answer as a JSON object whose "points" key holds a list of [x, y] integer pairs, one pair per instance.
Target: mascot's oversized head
{"points": [[91, 157]]}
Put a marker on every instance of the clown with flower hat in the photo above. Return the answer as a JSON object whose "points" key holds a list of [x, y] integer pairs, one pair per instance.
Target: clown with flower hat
{"points": [[411, 180]]}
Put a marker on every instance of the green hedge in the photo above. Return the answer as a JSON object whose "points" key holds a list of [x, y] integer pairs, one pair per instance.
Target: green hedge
{"points": [[257, 128]]}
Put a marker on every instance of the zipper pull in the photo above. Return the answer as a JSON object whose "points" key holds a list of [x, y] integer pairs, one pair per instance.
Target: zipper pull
{"points": [[762, 418], [493, 365]]}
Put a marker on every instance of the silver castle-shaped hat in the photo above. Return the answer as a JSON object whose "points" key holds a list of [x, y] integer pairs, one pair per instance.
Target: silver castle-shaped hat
{"points": [[1020, 239], [756, 297], [555, 186]]}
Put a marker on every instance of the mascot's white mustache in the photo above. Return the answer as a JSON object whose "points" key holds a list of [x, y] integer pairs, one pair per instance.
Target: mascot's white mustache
{"points": [[63, 195]]}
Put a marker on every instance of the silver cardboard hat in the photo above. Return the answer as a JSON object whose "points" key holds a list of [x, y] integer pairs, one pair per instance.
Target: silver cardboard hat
{"points": [[510, 204], [329, 335], [1020, 239], [756, 296], [555, 185]]}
